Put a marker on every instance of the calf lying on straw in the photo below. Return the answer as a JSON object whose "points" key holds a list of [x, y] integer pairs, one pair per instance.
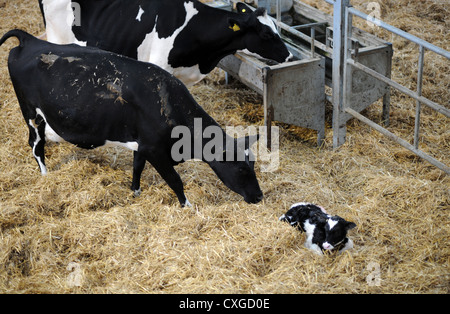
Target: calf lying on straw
{"points": [[323, 232]]}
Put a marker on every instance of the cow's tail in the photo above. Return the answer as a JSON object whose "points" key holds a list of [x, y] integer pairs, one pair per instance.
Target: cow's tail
{"points": [[21, 35], [41, 6]]}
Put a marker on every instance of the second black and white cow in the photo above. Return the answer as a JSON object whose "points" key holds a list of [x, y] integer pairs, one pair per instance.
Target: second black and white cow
{"points": [[92, 98], [184, 37]]}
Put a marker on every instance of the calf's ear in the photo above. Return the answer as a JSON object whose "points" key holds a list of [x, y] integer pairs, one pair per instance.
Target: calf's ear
{"points": [[350, 225]]}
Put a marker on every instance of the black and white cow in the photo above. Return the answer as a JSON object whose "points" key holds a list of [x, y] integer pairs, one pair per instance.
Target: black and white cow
{"points": [[92, 98], [323, 232], [184, 37]]}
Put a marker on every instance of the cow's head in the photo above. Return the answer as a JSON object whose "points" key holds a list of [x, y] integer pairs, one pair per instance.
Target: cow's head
{"points": [[235, 169], [259, 34]]}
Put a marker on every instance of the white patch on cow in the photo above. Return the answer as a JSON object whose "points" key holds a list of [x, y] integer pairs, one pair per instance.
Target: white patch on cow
{"points": [[299, 204], [316, 249], [348, 246], [156, 50], [60, 17], [309, 228], [138, 17], [129, 145], [257, 56], [249, 53], [327, 246], [187, 203], [289, 58], [266, 20], [50, 134], [305, 204], [189, 75], [322, 209], [332, 223], [36, 142]]}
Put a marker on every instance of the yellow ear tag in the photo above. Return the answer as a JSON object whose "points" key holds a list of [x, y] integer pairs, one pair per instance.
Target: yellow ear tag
{"points": [[244, 10], [235, 28]]}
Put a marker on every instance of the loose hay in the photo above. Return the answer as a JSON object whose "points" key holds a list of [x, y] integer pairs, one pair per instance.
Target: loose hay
{"points": [[81, 230]]}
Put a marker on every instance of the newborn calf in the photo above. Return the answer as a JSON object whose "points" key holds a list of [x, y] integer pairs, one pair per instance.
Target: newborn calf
{"points": [[323, 232]]}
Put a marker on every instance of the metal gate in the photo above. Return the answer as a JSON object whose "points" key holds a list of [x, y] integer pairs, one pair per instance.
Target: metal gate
{"points": [[345, 57]]}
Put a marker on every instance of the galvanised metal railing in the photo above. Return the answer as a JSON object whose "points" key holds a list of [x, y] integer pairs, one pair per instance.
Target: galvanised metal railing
{"points": [[343, 60]]}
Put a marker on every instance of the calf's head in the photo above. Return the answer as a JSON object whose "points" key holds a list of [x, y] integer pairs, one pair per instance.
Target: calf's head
{"points": [[259, 34], [235, 168], [336, 232]]}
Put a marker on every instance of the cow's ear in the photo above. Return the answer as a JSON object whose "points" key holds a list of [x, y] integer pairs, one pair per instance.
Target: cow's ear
{"points": [[261, 12], [243, 8], [235, 25]]}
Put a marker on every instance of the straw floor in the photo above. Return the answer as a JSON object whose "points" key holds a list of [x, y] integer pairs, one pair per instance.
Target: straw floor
{"points": [[80, 230]]}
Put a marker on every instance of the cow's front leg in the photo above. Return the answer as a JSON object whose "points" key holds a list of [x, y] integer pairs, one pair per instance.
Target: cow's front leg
{"points": [[138, 167], [165, 168], [37, 142]]}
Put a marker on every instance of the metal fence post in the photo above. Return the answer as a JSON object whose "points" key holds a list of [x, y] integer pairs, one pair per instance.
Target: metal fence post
{"points": [[339, 30], [419, 92]]}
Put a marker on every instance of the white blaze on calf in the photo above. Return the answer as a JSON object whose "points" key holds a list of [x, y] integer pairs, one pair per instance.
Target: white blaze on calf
{"points": [[331, 222]]}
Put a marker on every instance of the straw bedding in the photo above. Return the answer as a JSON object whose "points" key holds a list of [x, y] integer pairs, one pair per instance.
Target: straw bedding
{"points": [[80, 230]]}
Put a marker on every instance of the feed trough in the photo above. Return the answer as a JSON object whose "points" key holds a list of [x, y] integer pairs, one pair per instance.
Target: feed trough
{"points": [[317, 27], [293, 92]]}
